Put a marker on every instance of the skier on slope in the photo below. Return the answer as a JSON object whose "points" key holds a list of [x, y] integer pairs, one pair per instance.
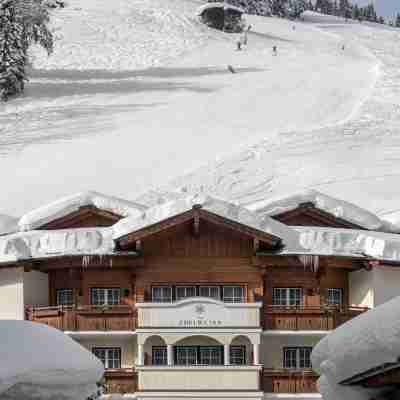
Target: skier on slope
{"points": [[275, 50]]}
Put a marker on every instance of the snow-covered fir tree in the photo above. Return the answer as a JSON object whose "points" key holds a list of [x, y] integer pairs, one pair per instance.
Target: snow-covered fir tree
{"points": [[22, 22]]}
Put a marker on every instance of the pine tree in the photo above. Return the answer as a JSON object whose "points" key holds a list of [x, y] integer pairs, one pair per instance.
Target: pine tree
{"points": [[397, 22], [22, 22]]}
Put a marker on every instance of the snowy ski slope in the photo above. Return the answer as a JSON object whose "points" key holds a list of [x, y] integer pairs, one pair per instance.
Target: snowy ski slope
{"points": [[138, 94]]}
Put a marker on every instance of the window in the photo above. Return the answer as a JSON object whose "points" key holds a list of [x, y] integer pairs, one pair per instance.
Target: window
{"points": [[238, 355], [109, 356], [162, 294], [105, 296], [210, 355], [65, 297], [210, 291], [184, 292], [233, 294], [297, 357], [334, 297], [159, 355], [287, 296], [186, 355]]}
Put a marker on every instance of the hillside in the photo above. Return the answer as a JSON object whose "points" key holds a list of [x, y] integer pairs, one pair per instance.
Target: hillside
{"points": [[138, 94]]}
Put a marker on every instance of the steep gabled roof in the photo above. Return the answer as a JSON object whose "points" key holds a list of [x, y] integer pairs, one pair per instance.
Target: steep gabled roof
{"points": [[217, 211], [320, 210], [68, 211]]}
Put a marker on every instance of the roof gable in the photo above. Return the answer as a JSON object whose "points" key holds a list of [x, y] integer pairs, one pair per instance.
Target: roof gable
{"points": [[306, 214], [195, 209], [86, 209]]}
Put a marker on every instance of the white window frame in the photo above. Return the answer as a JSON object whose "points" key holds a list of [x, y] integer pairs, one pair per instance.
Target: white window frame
{"points": [[210, 355], [285, 298], [162, 299], [185, 354], [62, 293], [297, 357], [109, 356], [209, 289], [234, 298], [332, 292], [110, 296], [185, 289]]}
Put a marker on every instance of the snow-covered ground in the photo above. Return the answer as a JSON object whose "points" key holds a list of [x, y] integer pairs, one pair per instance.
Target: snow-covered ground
{"points": [[138, 93], [30, 370]]}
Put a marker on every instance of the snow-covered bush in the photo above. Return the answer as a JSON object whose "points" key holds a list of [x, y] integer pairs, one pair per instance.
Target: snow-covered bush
{"points": [[22, 23]]}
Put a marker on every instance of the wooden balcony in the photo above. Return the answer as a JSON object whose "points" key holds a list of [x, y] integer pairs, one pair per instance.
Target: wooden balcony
{"points": [[85, 318], [303, 318], [289, 381], [120, 381]]}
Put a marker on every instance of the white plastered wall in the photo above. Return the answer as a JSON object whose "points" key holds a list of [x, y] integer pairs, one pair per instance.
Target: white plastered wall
{"points": [[128, 346], [361, 288], [271, 349], [11, 293], [386, 284], [36, 289]]}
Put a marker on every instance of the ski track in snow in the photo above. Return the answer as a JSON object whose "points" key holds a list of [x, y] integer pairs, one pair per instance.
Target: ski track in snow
{"points": [[142, 95], [358, 159]]}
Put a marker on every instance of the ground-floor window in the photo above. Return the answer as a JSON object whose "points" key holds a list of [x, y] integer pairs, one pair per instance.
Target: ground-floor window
{"points": [[105, 296], [159, 355], [334, 297], [238, 355], [287, 296], [65, 297], [109, 356], [297, 357], [199, 355]]}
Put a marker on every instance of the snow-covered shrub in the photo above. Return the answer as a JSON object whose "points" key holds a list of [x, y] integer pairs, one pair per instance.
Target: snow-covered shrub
{"points": [[22, 22]]}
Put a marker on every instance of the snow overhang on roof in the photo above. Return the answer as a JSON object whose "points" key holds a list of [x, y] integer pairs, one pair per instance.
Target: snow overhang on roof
{"points": [[56, 243], [67, 205], [278, 232], [220, 4], [361, 344], [337, 208]]}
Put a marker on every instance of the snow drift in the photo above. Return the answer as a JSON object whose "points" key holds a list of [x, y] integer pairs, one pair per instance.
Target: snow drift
{"points": [[30, 369], [365, 342]]}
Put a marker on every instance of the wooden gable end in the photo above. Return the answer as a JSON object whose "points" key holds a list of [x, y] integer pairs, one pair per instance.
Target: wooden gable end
{"points": [[199, 225], [308, 215], [85, 217]]}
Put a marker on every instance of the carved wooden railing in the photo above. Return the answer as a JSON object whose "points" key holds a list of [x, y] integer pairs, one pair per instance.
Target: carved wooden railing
{"points": [[308, 318], [85, 318], [289, 381], [120, 381]]}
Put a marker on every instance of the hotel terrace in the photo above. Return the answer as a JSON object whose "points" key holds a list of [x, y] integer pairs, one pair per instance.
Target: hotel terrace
{"points": [[198, 298]]}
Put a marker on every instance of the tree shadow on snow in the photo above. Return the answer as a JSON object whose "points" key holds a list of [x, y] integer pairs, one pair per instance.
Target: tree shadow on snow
{"points": [[159, 72]]}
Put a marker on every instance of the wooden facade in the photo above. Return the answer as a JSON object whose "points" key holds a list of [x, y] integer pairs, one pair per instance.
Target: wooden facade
{"points": [[197, 248]]}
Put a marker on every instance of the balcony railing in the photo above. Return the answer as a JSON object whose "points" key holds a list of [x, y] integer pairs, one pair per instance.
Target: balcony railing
{"points": [[85, 318], [289, 381], [296, 318], [120, 381]]}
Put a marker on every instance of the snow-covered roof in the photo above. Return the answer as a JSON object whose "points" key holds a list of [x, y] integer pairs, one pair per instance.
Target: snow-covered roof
{"points": [[336, 207], [8, 224], [365, 342], [32, 371], [349, 242], [219, 4], [42, 243], [230, 211], [66, 205]]}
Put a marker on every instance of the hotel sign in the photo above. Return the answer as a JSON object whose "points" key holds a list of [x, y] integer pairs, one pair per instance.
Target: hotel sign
{"points": [[198, 313]]}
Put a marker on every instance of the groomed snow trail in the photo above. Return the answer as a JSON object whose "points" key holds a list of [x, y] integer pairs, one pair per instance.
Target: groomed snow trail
{"points": [[90, 119]]}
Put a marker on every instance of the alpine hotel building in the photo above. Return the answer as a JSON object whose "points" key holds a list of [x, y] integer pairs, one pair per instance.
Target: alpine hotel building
{"points": [[192, 299]]}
